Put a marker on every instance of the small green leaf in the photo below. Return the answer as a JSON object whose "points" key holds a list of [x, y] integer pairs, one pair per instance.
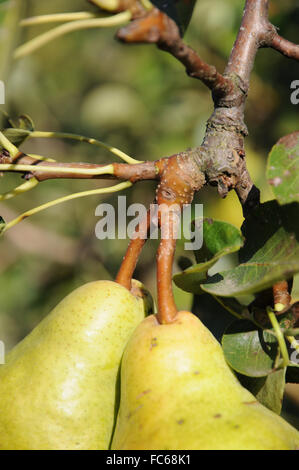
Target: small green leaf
{"points": [[219, 239], [268, 390], [248, 350], [17, 132], [270, 253], [25, 122], [16, 136], [283, 169]]}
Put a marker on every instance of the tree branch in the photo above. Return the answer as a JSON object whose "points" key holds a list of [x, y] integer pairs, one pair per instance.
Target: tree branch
{"points": [[223, 149], [121, 171], [255, 31], [285, 47], [157, 27], [221, 155]]}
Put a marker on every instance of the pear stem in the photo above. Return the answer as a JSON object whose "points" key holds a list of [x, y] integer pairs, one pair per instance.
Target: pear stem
{"points": [[128, 265], [167, 309]]}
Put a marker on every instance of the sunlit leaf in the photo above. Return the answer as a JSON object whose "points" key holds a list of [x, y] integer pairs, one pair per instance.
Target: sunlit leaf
{"points": [[270, 253], [219, 239], [283, 169]]}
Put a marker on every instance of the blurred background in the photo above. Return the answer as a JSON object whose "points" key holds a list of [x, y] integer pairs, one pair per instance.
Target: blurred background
{"points": [[140, 100]]}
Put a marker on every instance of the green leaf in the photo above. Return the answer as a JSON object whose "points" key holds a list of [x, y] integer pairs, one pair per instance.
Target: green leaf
{"points": [[268, 390], [270, 253], [295, 289], [17, 132], [249, 278], [248, 350], [262, 224], [283, 169], [219, 239], [178, 10], [16, 136], [25, 122]]}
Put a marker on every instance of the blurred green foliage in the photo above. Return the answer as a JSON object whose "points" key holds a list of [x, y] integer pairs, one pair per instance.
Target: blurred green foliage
{"points": [[138, 99]]}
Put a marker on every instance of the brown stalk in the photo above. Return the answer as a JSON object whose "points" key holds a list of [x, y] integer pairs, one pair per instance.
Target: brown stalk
{"points": [[167, 309], [123, 171], [179, 180], [128, 265], [285, 47], [157, 27], [254, 32]]}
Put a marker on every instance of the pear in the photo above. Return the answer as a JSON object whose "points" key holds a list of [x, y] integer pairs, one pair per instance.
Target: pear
{"points": [[58, 388], [177, 392]]}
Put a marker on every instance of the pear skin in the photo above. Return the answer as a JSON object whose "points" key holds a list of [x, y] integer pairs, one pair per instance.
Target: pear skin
{"points": [[178, 393], [58, 386]]}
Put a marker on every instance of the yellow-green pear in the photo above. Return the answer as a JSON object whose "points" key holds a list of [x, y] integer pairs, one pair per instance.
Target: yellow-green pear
{"points": [[58, 386], [177, 392]]}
